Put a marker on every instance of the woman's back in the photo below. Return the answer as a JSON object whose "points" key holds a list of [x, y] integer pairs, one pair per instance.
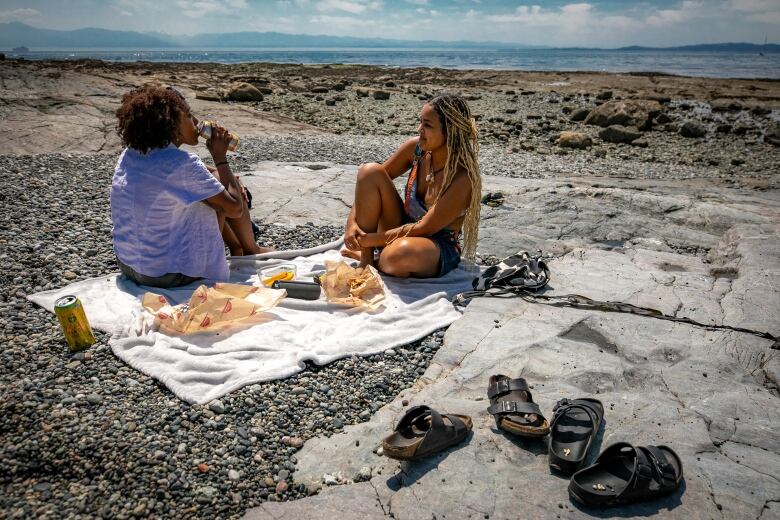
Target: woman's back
{"points": [[159, 226]]}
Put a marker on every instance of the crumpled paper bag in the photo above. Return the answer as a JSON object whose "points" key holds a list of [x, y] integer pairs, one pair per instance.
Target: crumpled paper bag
{"points": [[210, 308], [352, 285]]}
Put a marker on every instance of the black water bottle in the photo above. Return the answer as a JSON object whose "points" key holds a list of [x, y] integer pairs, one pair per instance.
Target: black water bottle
{"points": [[299, 290]]}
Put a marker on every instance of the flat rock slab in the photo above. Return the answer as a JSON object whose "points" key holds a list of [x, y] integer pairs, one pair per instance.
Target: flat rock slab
{"points": [[711, 394], [49, 110]]}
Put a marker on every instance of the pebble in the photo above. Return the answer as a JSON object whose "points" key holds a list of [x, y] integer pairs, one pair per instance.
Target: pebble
{"points": [[234, 475], [217, 407]]}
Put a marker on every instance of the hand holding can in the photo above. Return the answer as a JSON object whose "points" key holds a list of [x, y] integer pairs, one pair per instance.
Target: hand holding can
{"points": [[207, 130]]}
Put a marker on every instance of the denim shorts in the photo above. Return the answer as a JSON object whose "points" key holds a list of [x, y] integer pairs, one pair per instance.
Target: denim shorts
{"points": [[449, 256], [166, 281]]}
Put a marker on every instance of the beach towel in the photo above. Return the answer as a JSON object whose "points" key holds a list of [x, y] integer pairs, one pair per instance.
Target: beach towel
{"points": [[205, 366]]}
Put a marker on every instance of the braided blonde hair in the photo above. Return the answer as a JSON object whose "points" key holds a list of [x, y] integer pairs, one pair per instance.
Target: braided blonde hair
{"points": [[463, 151]]}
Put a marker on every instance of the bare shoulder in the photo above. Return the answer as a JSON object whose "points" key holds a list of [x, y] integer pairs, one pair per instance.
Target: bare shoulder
{"points": [[408, 147]]}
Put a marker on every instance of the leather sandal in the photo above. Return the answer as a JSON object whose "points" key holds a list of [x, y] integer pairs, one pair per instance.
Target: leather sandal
{"points": [[624, 474], [423, 431], [572, 430], [512, 405]]}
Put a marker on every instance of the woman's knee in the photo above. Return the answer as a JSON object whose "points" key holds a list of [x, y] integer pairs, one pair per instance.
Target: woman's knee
{"points": [[397, 259], [370, 171]]}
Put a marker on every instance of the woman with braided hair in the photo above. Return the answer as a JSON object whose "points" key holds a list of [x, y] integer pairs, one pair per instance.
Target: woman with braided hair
{"points": [[419, 235]]}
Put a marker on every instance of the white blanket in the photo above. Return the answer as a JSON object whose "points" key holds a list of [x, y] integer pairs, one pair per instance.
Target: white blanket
{"points": [[201, 367]]}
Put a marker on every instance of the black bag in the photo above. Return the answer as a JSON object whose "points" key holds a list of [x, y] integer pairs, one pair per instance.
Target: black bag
{"points": [[520, 272]]}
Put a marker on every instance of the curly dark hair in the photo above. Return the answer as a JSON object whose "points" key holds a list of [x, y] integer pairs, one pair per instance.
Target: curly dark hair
{"points": [[149, 117]]}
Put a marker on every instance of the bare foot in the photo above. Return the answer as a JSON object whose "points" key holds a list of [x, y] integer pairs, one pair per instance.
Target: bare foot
{"points": [[350, 253], [236, 251], [259, 250]]}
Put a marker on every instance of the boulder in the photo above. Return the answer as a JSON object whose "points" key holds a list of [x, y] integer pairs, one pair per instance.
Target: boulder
{"points": [[662, 119], [619, 134], [319, 90], [244, 92], [209, 95], [633, 112], [580, 114], [576, 140], [381, 94], [772, 135], [361, 92], [604, 95], [760, 111], [641, 143], [693, 129], [725, 105]]}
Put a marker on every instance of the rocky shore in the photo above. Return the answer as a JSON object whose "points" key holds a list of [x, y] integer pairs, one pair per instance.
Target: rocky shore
{"points": [[86, 436]]}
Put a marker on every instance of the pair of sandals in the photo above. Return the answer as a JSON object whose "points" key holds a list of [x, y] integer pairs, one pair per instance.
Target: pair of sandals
{"points": [[622, 474]]}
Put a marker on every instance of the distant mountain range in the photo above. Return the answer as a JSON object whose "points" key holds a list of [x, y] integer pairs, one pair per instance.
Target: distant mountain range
{"points": [[17, 34]]}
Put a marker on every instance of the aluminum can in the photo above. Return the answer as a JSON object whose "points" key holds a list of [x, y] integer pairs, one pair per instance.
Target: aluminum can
{"points": [[204, 129], [73, 321]]}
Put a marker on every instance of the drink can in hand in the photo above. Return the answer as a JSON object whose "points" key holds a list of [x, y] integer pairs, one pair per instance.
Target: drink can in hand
{"points": [[204, 129]]}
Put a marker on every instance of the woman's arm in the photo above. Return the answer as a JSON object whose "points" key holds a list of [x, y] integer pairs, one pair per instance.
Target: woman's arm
{"points": [[229, 200], [446, 210], [400, 162]]}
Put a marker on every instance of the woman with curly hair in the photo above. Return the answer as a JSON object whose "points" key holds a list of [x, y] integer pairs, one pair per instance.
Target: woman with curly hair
{"points": [[170, 211], [419, 235]]}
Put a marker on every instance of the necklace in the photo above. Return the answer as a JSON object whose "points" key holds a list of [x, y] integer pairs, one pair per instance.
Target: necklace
{"points": [[431, 175]]}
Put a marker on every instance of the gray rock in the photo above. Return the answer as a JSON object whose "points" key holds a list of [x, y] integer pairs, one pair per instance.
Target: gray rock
{"points": [[580, 114], [634, 112], [619, 134], [244, 92], [217, 407], [381, 95], [693, 129]]}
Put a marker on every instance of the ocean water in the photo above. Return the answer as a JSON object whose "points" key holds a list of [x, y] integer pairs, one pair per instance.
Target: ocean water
{"points": [[703, 64]]}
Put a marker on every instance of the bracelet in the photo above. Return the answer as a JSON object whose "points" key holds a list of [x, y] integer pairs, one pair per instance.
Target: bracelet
{"points": [[220, 163]]}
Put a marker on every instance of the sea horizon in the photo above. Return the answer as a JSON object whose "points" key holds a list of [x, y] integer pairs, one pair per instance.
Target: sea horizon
{"points": [[713, 64]]}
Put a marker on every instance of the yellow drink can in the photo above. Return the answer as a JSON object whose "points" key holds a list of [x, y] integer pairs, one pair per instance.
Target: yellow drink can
{"points": [[73, 321]]}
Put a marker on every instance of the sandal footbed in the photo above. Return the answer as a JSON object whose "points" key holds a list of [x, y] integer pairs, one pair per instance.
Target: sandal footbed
{"points": [[402, 445], [575, 431], [615, 474]]}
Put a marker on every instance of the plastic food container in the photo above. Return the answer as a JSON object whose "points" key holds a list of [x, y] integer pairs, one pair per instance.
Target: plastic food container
{"points": [[282, 273]]}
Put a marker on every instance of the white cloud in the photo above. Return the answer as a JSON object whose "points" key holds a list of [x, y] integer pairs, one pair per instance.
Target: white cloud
{"points": [[537, 15], [202, 8], [349, 6], [18, 14], [337, 22], [418, 2], [752, 6], [688, 10]]}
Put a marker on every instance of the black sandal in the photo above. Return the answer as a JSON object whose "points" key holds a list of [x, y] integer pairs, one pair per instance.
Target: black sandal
{"points": [[422, 431], [624, 474], [514, 409], [573, 428]]}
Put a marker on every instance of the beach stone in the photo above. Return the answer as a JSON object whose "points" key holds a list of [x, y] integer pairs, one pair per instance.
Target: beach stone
{"points": [[619, 134], [725, 105], [579, 114], [692, 129], [361, 92], [577, 140], [217, 407], [772, 135], [604, 95], [244, 92], [638, 113], [381, 95], [209, 95], [319, 90]]}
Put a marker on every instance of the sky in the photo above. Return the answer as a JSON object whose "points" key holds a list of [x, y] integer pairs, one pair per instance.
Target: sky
{"points": [[595, 23]]}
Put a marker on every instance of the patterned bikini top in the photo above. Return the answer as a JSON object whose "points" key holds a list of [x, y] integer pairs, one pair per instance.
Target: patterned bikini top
{"points": [[415, 208]]}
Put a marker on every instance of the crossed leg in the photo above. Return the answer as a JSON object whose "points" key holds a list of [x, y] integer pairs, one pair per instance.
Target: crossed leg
{"points": [[379, 207]]}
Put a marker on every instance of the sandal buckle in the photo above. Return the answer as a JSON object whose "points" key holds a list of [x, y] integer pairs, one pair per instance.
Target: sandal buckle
{"points": [[560, 404], [502, 386], [508, 406]]}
